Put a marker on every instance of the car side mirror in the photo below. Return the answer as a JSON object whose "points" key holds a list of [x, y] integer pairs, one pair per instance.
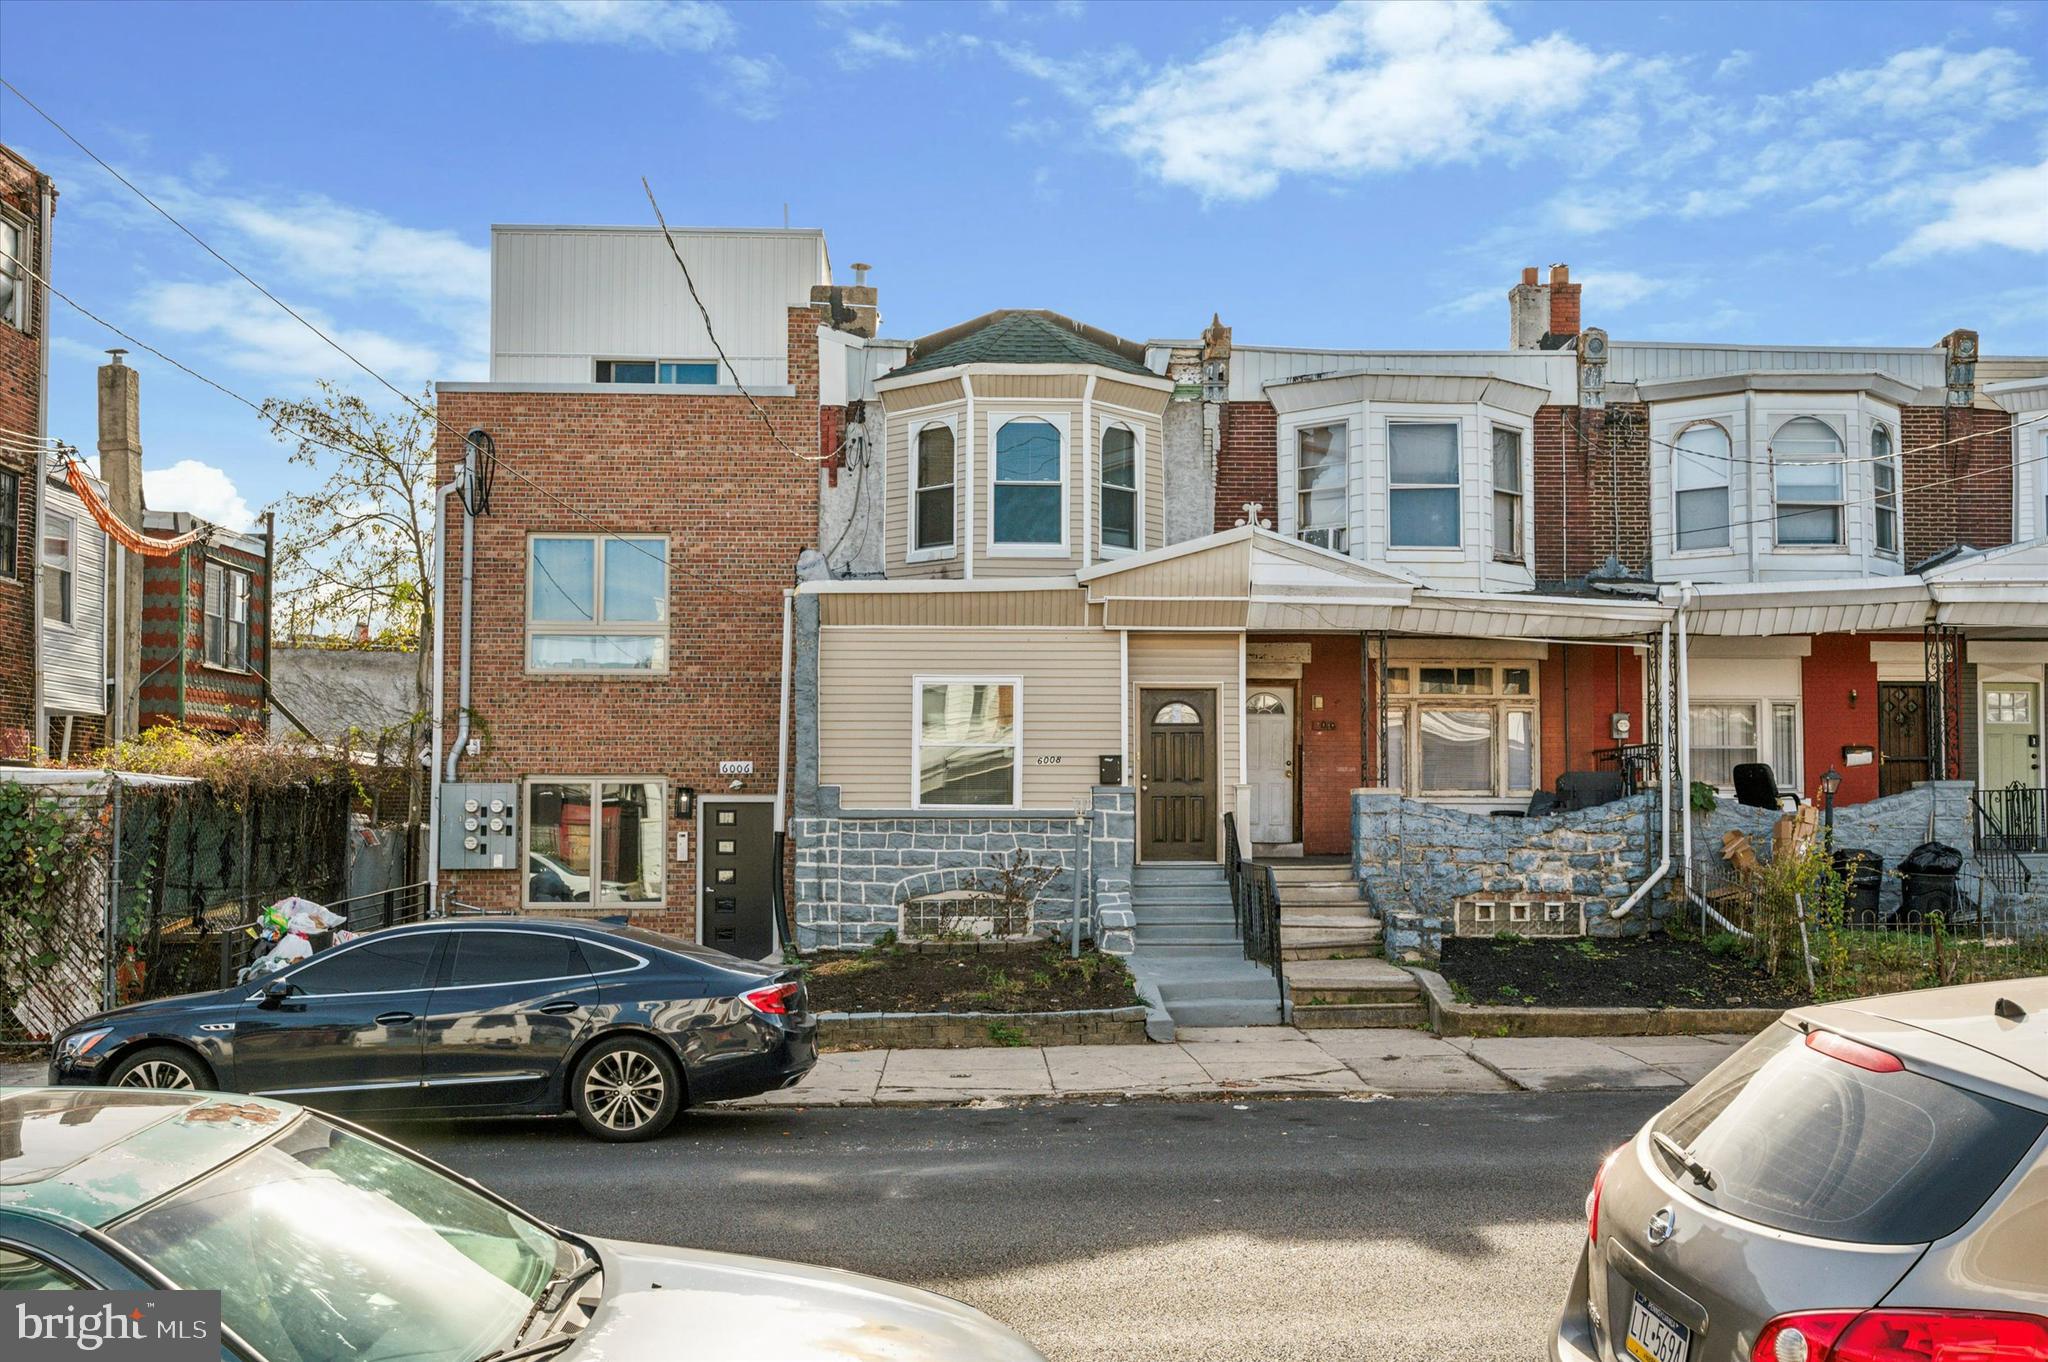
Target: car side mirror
{"points": [[274, 994]]}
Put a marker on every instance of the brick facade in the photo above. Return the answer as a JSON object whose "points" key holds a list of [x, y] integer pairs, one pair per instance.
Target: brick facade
{"points": [[20, 404], [737, 509], [1592, 489], [1247, 462], [1976, 509], [179, 687]]}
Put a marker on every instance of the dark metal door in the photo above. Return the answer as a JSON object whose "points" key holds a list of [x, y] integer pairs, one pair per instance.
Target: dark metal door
{"points": [[1902, 751], [738, 893], [1177, 775]]}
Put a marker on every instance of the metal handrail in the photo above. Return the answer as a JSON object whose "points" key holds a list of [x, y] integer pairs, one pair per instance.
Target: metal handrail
{"points": [[1998, 853]]}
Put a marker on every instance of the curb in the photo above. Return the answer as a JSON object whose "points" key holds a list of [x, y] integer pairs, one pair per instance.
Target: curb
{"points": [[1449, 1017]]}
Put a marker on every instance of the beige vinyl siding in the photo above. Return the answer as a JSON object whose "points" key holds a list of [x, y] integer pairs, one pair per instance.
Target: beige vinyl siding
{"points": [[1192, 661], [1151, 435], [1058, 386], [1219, 571], [1150, 401], [899, 460], [923, 395], [957, 609], [1075, 454], [865, 710]]}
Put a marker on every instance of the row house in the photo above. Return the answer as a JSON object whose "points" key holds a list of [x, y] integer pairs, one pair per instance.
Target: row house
{"points": [[27, 209]]}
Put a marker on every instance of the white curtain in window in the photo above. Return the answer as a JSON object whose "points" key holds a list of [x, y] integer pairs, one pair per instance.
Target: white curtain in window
{"points": [[1322, 459], [1806, 457], [1457, 750], [1723, 737]]}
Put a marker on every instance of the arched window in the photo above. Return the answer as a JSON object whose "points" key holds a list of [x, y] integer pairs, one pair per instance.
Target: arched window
{"points": [[1884, 481], [932, 508], [1027, 497], [1119, 487], [1176, 712], [1264, 702], [1700, 469], [1806, 475]]}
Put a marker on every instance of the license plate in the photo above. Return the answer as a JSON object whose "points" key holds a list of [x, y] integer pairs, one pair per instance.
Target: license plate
{"points": [[1654, 1336]]}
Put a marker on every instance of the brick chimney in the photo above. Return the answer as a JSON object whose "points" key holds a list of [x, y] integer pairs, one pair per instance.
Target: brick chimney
{"points": [[1564, 303], [120, 402], [1528, 312], [851, 308]]}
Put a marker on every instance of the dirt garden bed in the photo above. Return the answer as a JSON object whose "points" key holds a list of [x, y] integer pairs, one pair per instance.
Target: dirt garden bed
{"points": [[1656, 971], [1027, 977]]}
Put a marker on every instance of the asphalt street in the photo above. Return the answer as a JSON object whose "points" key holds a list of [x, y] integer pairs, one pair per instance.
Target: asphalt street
{"points": [[1430, 1229]]}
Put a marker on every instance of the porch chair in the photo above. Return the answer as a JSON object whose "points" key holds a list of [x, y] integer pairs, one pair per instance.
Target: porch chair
{"points": [[1755, 786]]}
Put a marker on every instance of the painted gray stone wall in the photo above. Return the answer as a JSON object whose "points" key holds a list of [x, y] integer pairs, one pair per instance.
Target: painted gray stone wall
{"points": [[1190, 469], [850, 511], [1416, 859], [854, 870]]}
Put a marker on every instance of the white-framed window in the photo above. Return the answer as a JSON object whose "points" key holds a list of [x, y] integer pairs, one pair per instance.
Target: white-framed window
{"points": [[931, 500], [1462, 729], [224, 611], [595, 841], [1700, 465], [1322, 483], [13, 271], [1028, 495], [1806, 475], [1122, 466], [1507, 494], [1422, 485], [1884, 481], [596, 603], [702, 373], [967, 742], [60, 549], [1731, 733]]}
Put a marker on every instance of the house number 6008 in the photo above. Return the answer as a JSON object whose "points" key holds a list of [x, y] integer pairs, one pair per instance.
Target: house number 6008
{"points": [[1048, 761]]}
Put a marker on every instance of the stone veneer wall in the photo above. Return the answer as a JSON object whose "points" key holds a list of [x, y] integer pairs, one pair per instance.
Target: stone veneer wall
{"points": [[1932, 811], [855, 868], [1415, 859]]}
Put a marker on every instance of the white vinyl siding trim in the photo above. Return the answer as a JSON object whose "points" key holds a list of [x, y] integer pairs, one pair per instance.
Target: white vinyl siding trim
{"points": [[914, 463], [1106, 490]]}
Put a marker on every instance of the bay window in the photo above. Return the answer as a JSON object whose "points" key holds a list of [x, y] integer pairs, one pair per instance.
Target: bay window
{"points": [[1700, 476], [1461, 730], [595, 842], [1806, 459], [1322, 459], [596, 603], [1422, 485], [931, 511], [1119, 490], [1507, 494], [1884, 475], [967, 742], [1027, 497]]}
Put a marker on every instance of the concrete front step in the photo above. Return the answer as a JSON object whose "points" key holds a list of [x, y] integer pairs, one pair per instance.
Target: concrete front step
{"points": [[1360, 1014], [1320, 895], [1187, 934], [1176, 896], [1194, 872], [1161, 915], [1310, 872], [1363, 982]]}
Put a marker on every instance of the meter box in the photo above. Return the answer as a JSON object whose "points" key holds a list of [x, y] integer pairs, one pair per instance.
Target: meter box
{"points": [[479, 826]]}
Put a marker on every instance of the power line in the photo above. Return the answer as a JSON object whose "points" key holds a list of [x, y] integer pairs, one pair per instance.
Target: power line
{"points": [[1771, 461]]}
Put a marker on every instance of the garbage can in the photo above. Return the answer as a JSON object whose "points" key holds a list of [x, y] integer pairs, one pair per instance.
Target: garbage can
{"points": [[1929, 874], [1862, 876]]}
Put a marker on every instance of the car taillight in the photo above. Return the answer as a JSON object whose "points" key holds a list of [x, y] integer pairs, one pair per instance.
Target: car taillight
{"points": [[772, 1001], [1903, 1336], [1837, 1046], [1593, 1197]]}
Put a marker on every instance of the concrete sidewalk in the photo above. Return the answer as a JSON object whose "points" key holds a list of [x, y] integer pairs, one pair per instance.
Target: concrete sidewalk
{"points": [[1219, 1062]]}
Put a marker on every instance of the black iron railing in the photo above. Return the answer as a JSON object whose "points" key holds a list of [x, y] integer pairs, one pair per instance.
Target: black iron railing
{"points": [[1999, 843], [1637, 763], [2021, 815], [1255, 903]]}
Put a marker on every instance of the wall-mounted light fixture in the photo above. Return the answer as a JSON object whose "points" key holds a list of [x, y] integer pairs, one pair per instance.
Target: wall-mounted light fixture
{"points": [[686, 801]]}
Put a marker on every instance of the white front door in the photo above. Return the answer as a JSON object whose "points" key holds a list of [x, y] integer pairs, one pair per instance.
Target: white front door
{"points": [[1269, 749], [2012, 734]]}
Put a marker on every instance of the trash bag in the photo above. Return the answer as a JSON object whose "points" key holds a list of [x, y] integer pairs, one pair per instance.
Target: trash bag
{"points": [[289, 951]]}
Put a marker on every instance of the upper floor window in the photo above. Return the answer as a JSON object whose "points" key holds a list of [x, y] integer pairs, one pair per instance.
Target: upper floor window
{"points": [[1027, 495], [1806, 458], [1322, 458], [1700, 466], [596, 603], [13, 270], [59, 535], [10, 522], [1422, 485], [701, 372], [1884, 478], [225, 611], [932, 499], [1507, 494], [1119, 487]]}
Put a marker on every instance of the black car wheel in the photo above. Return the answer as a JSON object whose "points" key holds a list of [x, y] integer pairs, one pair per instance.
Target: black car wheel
{"points": [[161, 1066], [626, 1089]]}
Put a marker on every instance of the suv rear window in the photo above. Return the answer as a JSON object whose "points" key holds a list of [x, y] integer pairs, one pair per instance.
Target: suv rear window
{"points": [[1806, 1143]]}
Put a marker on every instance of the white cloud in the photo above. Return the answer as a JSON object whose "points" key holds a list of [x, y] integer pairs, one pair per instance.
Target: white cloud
{"points": [[254, 335], [1604, 291], [1350, 91], [666, 25], [346, 250], [2007, 207], [1735, 63], [753, 86], [202, 489]]}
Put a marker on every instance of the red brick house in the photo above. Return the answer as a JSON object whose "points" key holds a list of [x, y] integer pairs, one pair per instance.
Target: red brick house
{"points": [[27, 205], [206, 629]]}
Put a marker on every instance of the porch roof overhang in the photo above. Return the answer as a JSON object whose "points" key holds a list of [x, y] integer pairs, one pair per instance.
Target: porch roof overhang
{"points": [[1755, 610], [2003, 588], [1474, 614], [1245, 578], [1313, 391]]}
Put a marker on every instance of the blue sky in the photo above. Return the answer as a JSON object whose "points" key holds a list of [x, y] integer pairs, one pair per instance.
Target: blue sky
{"points": [[1824, 174]]}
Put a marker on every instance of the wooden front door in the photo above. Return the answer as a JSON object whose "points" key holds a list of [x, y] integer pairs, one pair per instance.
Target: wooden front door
{"points": [[2012, 735], [1269, 749], [1177, 775], [1902, 740]]}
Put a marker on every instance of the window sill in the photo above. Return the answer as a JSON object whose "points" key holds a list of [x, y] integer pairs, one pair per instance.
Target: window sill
{"points": [[945, 555], [593, 673], [1028, 551]]}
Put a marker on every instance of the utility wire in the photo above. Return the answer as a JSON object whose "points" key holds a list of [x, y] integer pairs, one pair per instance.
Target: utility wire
{"points": [[1771, 461]]}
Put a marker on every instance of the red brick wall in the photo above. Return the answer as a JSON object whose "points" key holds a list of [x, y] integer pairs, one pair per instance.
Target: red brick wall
{"points": [[1585, 459], [1328, 765], [20, 399], [1580, 690], [216, 699], [1838, 664], [1247, 466], [737, 509], [1977, 509]]}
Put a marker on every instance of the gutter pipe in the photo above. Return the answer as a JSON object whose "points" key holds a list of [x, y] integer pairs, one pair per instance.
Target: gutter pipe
{"points": [[1685, 590], [433, 866], [466, 480], [1628, 905]]}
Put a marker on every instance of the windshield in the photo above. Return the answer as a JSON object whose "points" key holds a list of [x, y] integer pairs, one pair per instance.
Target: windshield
{"points": [[327, 1247]]}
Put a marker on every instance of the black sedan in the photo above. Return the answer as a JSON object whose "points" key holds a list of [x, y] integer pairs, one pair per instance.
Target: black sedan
{"points": [[474, 1017]]}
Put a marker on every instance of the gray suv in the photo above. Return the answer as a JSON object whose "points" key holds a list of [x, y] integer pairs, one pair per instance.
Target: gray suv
{"points": [[1863, 1182]]}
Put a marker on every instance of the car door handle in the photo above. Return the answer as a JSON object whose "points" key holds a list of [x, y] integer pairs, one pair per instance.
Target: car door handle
{"points": [[561, 1008], [394, 1018]]}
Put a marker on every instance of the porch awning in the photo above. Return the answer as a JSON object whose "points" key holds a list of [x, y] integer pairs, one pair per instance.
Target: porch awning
{"points": [[1472, 614], [1246, 578], [2004, 588], [1747, 610]]}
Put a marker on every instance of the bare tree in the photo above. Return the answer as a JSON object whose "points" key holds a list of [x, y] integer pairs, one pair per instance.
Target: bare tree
{"points": [[357, 554]]}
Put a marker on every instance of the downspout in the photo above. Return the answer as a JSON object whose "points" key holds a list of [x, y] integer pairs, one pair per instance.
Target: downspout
{"points": [[782, 716], [466, 480], [1628, 904], [1085, 447], [967, 566], [439, 591], [45, 212], [1684, 706]]}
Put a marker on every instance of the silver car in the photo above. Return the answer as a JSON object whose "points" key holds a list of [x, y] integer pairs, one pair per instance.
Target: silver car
{"points": [[1863, 1182]]}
